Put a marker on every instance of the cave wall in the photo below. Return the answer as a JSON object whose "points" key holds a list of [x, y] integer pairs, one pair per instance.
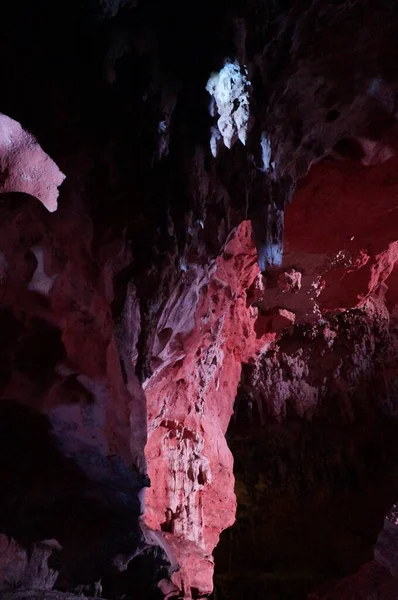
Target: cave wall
{"points": [[315, 420], [130, 303]]}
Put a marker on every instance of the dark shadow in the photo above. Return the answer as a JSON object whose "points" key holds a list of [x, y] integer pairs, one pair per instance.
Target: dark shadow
{"points": [[45, 495]]}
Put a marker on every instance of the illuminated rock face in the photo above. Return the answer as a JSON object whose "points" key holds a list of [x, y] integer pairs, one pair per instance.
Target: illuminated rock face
{"points": [[211, 331], [178, 281], [307, 338], [330, 375], [25, 167]]}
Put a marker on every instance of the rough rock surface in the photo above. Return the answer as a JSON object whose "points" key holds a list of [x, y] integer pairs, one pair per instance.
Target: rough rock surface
{"points": [[371, 581], [208, 330], [25, 167], [315, 422], [127, 313]]}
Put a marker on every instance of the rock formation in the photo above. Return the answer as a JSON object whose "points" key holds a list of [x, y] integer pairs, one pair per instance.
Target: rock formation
{"points": [[198, 299]]}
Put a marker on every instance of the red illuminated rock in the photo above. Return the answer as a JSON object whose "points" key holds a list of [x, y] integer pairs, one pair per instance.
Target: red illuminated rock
{"points": [[275, 321], [211, 331], [147, 275], [340, 233]]}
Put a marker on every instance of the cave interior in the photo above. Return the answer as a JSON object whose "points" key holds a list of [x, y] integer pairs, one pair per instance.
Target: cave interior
{"points": [[199, 300]]}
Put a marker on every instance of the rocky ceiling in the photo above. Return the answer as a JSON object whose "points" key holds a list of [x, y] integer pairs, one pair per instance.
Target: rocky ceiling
{"points": [[198, 299]]}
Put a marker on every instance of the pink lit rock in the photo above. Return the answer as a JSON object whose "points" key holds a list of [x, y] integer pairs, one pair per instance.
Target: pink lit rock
{"points": [[289, 281], [25, 167], [210, 332], [275, 321]]}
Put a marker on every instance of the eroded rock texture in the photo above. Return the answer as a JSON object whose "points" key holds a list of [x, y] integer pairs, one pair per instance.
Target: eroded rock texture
{"points": [[315, 426], [148, 151]]}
